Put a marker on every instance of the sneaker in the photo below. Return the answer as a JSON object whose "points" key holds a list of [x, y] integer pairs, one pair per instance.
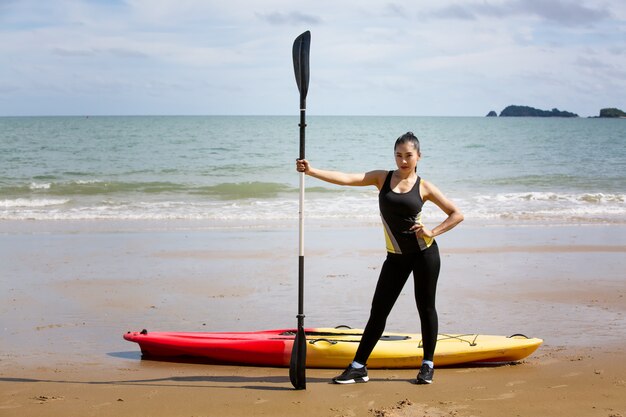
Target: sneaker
{"points": [[352, 375], [425, 375]]}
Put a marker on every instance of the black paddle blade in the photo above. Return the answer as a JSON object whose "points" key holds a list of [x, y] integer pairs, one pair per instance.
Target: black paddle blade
{"points": [[301, 62], [297, 366]]}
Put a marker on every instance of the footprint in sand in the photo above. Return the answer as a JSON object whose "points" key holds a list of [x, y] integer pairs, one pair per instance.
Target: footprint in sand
{"points": [[407, 408], [504, 396], [343, 412], [44, 398], [513, 383], [10, 403], [153, 393]]}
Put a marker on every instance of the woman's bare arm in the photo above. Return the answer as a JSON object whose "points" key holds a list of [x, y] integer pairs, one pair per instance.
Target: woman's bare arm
{"points": [[376, 178]]}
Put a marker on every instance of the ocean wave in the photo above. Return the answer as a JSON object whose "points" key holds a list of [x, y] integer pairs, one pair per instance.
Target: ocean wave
{"points": [[243, 190], [603, 198], [549, 206], [95, 187], [39, 186], [19, 203], [250, 210], [98, 187], [577, 198], [560, 181], [540, 207]]}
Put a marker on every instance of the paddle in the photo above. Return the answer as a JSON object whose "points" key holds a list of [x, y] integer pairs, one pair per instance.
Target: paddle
{"points": [[297, 366]]}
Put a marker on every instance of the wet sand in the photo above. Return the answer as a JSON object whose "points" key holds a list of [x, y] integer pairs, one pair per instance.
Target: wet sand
{"points": [[69, 290]]}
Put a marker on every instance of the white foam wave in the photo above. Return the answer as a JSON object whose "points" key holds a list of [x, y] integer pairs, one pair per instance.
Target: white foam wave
{"points": [[40, 186], [27, 202], [86, 182], [532, 206], [598, 198], [563, 207]]}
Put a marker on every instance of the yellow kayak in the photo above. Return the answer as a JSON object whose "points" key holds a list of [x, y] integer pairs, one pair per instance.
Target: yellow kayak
{"points": [[336, 348]]}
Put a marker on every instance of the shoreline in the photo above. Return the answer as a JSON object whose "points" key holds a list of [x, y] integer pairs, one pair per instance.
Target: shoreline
{"points": [[73, 288]]}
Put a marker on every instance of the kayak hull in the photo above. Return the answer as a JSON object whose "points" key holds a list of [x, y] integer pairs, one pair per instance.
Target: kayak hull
{"points": [[328, 348]]}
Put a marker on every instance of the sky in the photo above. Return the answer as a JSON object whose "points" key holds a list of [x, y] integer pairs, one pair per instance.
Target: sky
{"points": [[233, 57]]}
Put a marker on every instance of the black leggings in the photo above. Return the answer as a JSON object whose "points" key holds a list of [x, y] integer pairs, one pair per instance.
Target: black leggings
{"points": [[396, 269]]}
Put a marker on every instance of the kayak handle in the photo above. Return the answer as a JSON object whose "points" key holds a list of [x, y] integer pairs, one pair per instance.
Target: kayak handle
{"points": [[314, 341]]}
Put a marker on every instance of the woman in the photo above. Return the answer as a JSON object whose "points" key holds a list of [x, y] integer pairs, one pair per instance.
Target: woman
{"points": [[410, 248]]}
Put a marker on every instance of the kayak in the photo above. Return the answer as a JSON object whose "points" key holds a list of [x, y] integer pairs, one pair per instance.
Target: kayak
{"points": [[328, 347]]}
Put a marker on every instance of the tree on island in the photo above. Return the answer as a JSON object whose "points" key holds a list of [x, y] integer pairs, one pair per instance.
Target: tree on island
{"points": [[612, 112], [526, 111]]}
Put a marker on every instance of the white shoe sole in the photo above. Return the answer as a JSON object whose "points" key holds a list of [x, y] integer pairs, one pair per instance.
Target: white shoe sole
{"points": [[352, 381]]}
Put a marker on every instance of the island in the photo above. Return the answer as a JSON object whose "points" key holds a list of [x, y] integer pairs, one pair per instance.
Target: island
{"points": [[526, 111], [612, 112]]}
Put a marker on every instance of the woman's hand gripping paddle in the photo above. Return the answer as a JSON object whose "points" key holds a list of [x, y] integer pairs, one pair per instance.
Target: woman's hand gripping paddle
{"points": [[297, 366]]}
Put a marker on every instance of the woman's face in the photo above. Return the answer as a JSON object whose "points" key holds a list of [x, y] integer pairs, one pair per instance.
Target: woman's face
{"points": [[406, 157]]}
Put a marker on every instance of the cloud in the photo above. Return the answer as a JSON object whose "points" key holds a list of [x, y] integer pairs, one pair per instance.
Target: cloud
{"points": [[291, 18], [114, 52], [568, 13], [455, 11], [564, 12], [395, 10]]}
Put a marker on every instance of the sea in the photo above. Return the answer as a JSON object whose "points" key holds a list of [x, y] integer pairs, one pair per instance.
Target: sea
{"points": [[240, 170]]}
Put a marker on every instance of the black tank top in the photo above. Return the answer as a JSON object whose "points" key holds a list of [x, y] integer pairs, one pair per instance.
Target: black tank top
{"points": [[399, 212]]}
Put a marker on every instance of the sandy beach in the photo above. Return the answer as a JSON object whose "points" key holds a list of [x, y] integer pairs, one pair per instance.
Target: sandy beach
{"points": [[69, 290]]}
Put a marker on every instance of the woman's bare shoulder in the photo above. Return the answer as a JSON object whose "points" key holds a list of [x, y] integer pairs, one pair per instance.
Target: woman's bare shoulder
{"points": [[377, 177]]}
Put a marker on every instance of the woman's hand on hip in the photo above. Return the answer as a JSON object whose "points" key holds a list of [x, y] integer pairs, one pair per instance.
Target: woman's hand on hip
{"points": [[421, 231]]}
